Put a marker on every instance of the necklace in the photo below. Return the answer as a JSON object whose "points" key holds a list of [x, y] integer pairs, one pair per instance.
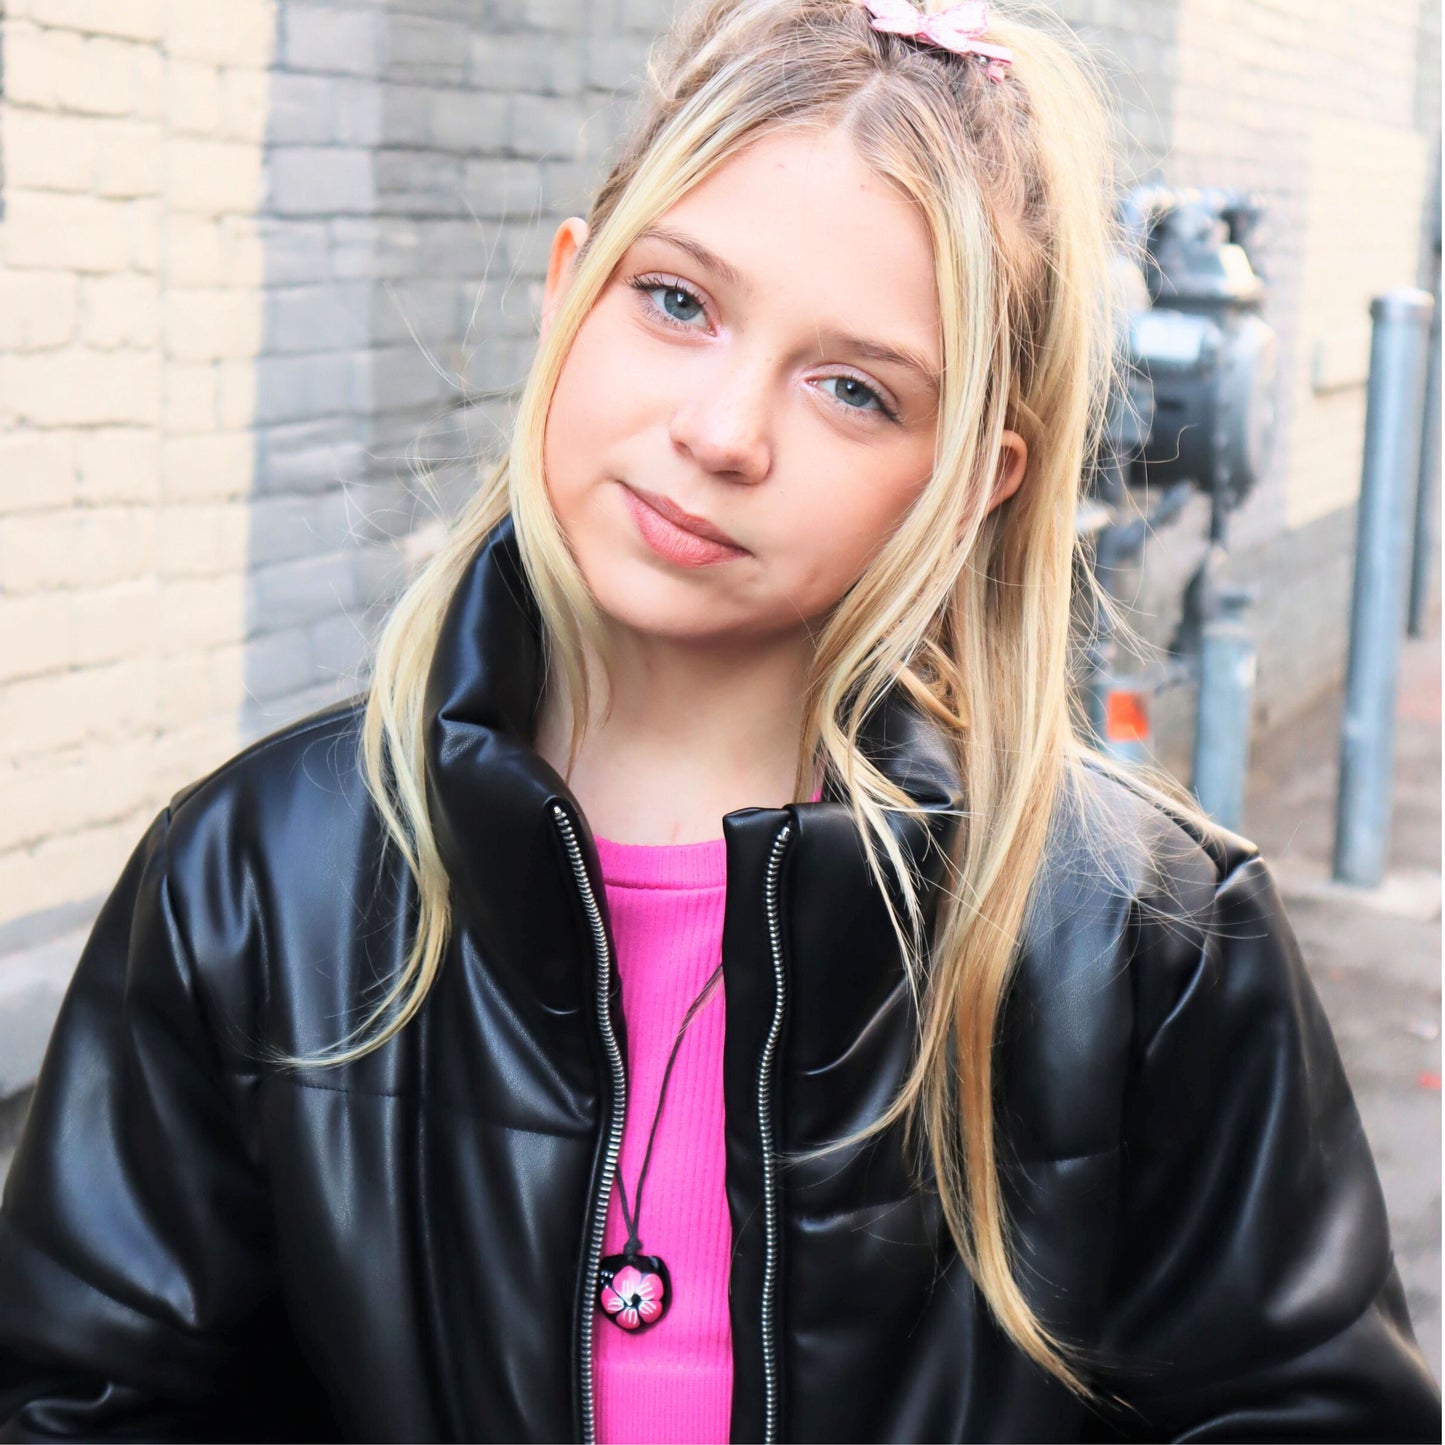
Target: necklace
{"points": [[634, 1289]]}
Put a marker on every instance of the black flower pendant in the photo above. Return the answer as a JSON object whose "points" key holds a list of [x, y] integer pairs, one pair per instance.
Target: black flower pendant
{"points": [[633, 1290]]}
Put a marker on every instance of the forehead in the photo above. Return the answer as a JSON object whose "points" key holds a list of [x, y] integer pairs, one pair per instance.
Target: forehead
{"points": [[811, 229]]}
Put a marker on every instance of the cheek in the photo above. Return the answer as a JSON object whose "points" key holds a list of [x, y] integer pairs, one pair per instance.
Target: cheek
{"points": [[860, 519], [575, 419], [598, 400]]}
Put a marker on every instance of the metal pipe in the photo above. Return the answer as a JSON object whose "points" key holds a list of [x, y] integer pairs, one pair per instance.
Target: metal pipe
{"points": [[1227, 661], [1393, 416], [1428, 491]]}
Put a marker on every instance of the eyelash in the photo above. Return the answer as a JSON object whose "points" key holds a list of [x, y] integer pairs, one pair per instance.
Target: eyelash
{"points": [[644, 284]]}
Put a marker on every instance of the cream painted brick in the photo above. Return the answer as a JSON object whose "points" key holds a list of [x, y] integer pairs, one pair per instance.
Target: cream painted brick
{"points": [[245, 104], [43, 715], [109, 623], [94, 76], [37, 309], [190, 753], [37, 636], [78, 387], [118, 464], [47, 151], [236, 399], [209, 466], [205, 539], [188, 398], [124, 19], [83, 547], [212, 177], [146, 219], [128, 158], [244, 248], [67, 867], [184, 692], [200, 612], [239, 32], [48, 231], [192, 97], [119, 311], [30, 65], [194, 255], [230, 689], [211, 325], [150, 85], [37, 470], [40, 715], [60, 795]]}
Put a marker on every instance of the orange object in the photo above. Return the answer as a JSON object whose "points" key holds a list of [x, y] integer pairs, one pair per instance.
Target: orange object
{"points": [[1126, 717]]}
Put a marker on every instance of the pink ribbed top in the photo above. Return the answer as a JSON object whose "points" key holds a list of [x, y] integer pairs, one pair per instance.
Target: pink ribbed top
{"points": [[672, 1382]]}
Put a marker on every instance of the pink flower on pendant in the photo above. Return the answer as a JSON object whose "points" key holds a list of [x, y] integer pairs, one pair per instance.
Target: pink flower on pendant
{"points": [[633, 1297]]}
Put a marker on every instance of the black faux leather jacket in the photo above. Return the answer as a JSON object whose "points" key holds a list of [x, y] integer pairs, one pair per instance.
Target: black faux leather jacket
{"points": [[196, 1246]]}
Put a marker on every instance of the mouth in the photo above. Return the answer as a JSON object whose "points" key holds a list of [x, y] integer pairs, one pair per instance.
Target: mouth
{"points": [[676, 536], [698, 526]]}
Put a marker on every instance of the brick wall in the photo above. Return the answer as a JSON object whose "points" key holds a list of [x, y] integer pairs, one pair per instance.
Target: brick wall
{"points": [[414, 162], [122, 351], [265, 264]]}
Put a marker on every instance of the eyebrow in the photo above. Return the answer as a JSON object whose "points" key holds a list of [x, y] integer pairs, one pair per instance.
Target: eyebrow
{"points": [[873, 350], [699, 253]]}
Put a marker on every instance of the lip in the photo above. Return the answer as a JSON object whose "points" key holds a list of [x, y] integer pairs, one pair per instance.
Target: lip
{"points": [[698, 526], [678, 536]]}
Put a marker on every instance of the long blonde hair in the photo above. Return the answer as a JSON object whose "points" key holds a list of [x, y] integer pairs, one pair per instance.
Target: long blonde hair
{"points": [[968, 609]]}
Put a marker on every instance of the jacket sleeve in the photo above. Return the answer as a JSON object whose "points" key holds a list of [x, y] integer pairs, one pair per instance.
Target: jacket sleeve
{"points": [[1255, 1294], [134, 1275]]}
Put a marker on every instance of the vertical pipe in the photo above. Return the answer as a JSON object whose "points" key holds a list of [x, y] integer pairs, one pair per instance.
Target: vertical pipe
{"points": [[1428, 490], [1393, 418], [1226, 696]]}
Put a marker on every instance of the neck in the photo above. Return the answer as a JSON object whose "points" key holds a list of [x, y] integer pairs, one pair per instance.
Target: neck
{"points": [[693, 732]]}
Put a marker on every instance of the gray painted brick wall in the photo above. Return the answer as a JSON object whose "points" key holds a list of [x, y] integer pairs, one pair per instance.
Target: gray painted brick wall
{"points": [[419, 154], [457, 135]]}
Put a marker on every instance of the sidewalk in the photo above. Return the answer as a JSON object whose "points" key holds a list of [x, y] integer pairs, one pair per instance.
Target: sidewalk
{"points": [[1374, 954]]}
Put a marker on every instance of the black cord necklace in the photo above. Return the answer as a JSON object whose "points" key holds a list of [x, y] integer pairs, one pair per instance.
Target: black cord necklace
{"points": [[634, 1289]]}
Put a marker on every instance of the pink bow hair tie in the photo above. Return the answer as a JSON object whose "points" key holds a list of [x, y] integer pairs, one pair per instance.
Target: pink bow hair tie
{"points": [[957, 29]]}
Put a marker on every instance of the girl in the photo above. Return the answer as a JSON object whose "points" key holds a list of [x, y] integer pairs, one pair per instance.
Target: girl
{"points": [[1014, 1115]]}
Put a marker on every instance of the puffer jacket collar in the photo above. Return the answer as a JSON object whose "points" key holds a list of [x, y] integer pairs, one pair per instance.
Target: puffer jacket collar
{"points": [[804, 974], [493, 797]]}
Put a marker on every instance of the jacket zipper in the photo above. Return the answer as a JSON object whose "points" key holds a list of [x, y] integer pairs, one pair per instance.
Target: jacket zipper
{"points": [[602, 954], [765, 1132], [598, 1204]]}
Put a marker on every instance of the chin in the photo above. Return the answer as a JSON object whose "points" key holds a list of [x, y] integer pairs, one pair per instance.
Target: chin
{"points": [[639, 597]]}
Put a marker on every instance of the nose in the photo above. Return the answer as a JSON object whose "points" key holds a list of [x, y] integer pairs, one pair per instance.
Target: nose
{"points": [[723, 420]]}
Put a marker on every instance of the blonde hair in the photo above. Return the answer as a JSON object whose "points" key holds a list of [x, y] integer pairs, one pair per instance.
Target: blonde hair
{"points": [[968, 609]]}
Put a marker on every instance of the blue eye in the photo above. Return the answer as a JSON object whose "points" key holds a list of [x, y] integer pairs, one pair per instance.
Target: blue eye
{"points": [[673, 295], [681, 306], [850, 389]]}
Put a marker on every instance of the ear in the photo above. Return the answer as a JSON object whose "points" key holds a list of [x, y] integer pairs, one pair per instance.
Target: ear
{"points": [[1013, 461], [570, 238]]}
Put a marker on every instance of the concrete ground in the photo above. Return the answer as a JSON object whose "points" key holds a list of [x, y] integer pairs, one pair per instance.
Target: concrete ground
{"points": [[1374, 954]]}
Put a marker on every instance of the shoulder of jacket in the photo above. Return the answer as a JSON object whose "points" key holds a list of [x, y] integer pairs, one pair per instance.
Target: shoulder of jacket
{"points": [[1138, 894], [281, 820], [1130, 883], [1200, 899], [1148, 833], [319, 754]]}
